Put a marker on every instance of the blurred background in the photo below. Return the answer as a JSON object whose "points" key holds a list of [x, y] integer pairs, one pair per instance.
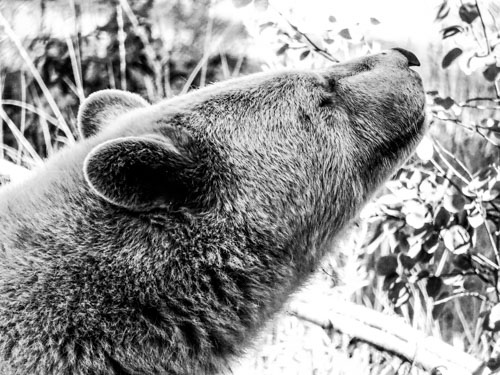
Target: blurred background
{"points": [[412, 287]]}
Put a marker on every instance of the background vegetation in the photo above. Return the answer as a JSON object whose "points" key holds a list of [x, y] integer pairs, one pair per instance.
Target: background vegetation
{"points": [[426, 248]]}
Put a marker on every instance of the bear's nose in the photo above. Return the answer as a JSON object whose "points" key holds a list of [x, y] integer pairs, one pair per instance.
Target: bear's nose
{"points": [[410, 56]]}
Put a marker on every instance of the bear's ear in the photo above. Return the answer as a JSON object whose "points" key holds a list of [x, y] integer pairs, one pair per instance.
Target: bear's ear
{"points": [[142, 173], [102, 107]]}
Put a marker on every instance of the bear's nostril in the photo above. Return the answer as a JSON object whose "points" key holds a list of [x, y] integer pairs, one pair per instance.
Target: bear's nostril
{"points": [[410, 56]]}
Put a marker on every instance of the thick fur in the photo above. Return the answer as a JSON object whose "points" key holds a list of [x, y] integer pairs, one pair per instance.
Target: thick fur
{"points": [[163, 241]]}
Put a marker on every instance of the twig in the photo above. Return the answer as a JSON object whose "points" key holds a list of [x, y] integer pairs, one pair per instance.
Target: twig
{"points": [[461, 295], [479, 107], [445, 176], [483, 98], [323, 52], [460, 163], [488, 47], [388, 333], [448, 164], [474, 129]]}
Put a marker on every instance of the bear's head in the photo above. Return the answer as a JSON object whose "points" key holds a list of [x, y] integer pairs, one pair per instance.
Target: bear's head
{"points": [[286, 147], [170, 233]]}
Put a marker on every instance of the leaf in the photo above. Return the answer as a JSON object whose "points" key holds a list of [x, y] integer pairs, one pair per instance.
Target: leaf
{"points": [[304, 54], [461, 219], [344, 33], [433, 286], [423, 256], [425, 149], [463, 262], [241, 3], [475, 220], [282, 49], [446, 103], [450, 57], [493, 189], [422, 275], [431, 244], [438, 309], [406, 262], [491, 72], [261, 5], [493, 136], [265, 26], [454, 202], [443, 11], [493, 363], [451, 30], [389, 281], [473, 284], [480, 181], [456, 239], [441, 218], [374, 21], [398, 294], [428, 190], [468, 12], [489, 123], [402, 245], [332, 19], [387, 265], [455, 279], [415, 214], [492, 319], [414, 179], [422, 232]]}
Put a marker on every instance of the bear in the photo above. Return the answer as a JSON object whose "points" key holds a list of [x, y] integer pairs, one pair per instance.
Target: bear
{"points": [[165, 239]]}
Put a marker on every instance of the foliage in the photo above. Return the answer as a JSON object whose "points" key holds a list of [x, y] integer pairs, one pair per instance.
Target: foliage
{"points": [[434, 233], [127, 52], [439, 221]]}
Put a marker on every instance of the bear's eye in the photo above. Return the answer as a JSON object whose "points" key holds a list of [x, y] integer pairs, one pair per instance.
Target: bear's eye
{"points": [[363, 67], [326, 100]]}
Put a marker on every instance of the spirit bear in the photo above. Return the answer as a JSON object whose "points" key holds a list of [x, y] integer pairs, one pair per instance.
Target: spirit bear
{"points": [[166, 238]]}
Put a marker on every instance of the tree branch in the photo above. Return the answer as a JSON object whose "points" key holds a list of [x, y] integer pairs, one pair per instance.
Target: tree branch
{"points": [[391, 334], [323, 52]]}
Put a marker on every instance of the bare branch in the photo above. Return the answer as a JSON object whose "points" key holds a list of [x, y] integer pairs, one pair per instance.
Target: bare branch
{"points": [[389, 333], [323, 52]]}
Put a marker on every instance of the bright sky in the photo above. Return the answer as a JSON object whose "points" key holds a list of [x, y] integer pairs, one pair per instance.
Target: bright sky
{"points": [[408, 23], [400, 19]]}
